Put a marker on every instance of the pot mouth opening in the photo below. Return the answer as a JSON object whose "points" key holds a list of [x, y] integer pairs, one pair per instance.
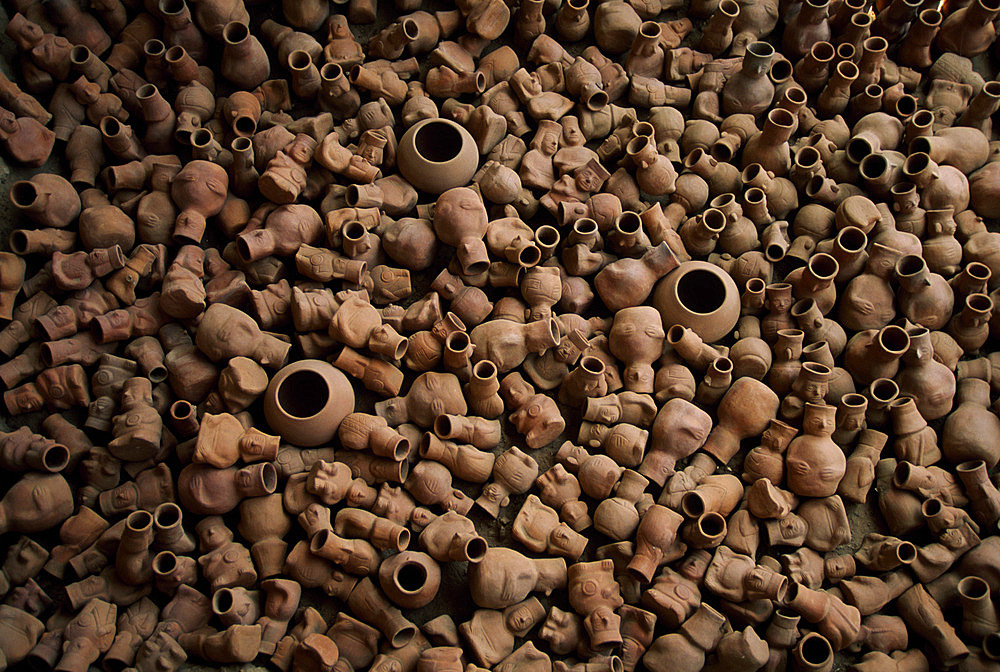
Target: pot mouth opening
{"points": [[411, 577], [475, 549], [484, 370], [438, 141], [235, 32], [884, 390], [872, 166], [701, 291], [24, 194], [171, 7], [712, 524], [816, 650], [55, 458], [303, 394], [781, 70], [154, 47], [164, 562], [18, 241], [548, 236], [852, 239], [166, 515]]}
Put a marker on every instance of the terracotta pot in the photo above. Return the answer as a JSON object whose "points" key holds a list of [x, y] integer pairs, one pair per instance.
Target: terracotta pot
{"points": [[306, 401], [410, 579], [436, 155], [699, 296], [749, 90]]}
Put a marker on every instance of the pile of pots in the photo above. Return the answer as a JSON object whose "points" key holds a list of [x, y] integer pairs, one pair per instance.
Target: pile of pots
{"points": [[667, 357]]}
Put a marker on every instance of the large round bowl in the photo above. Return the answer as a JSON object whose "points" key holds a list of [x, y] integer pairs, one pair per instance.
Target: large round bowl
{"points": [[306, 400], [436, 155], [700, 296]]}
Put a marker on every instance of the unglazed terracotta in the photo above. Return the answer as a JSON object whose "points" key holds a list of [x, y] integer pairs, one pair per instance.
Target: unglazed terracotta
{"points": [[436, 155], [701, 297], [306, 401]]}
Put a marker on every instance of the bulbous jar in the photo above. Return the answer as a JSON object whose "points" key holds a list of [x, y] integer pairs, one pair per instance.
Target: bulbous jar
{"points": [[700, 296], [435, 155], [806, 28], [410, 579], [928, 381], [969, 31], [972, 431], [815, 463], [306, 400]]}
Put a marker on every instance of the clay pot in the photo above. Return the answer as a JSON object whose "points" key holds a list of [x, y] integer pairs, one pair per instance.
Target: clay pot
{"points": [[745, 410], [685, 650], [410, 579], [436, 155], [244, 60], [46, 199], [749, 90], [505, 577], [34, 503], [680, 429], [199, 190], [815, 464], [969, 31], [699, 296], [306, 401]]}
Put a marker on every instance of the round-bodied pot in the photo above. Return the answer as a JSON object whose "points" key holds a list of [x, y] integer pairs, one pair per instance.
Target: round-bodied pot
{"points": [[436, 155], [305, 402], [700, 296]]}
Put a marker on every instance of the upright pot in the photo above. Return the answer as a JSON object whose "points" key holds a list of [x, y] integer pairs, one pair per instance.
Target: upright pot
{"points": [[435, 155], [306, 400], [700, 296]]}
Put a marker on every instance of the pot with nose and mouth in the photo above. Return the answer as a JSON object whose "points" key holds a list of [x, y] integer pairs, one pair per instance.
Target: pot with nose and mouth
{"points": [[815, 463]]}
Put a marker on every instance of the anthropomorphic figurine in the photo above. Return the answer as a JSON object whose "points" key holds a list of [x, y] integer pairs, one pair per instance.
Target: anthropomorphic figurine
{"points": [[788, 531], [736, 577], [672, 597], [25, 140], [564, 632], [25, 558], [88, 635], [160, 652], [573, 152], [285, 176], [98, 104], [595, 595], [329, 481], [138, 428], [49, 52], [537, 526], [584, 181], [241, 383], [224, 563], [514, 472], [490, 633], [560, 489], [768, 459], [814, 463], [534, 415], [537, 170]]}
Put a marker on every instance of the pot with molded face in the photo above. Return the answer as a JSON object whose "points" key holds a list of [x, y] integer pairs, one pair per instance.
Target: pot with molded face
{"points": [[700, 296], [306, 401], [435, 155]]}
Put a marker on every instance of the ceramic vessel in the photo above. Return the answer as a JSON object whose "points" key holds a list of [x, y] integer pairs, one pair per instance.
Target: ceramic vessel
{"points": [[306, 401], [435, 155], [700, 296]]}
